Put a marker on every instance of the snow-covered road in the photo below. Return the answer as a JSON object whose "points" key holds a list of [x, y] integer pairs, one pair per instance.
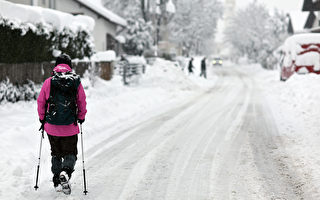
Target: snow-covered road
{"points": [[216, 146], [242, 135]]}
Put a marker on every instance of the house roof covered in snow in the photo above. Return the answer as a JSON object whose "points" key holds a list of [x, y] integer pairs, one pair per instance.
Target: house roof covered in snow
{"points": [[311, 5], [97, 7]]}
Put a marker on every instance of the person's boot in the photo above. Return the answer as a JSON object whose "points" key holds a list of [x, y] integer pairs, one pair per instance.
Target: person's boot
{"points": [[64, 179], [57, 183]]}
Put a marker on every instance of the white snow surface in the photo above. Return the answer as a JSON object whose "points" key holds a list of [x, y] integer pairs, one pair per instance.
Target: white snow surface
{"points": [[107, 56], [111, 107], [35, 14], [136, 60]]}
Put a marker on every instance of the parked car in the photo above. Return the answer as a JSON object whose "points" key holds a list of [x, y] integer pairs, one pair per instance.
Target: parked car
{"points": [[300, 54], [217, 61]]}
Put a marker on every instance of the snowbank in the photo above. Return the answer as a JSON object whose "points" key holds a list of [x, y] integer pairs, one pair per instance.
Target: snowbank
{"points": [[136, 60], [34, 15], [296, 110], [106, 56]]}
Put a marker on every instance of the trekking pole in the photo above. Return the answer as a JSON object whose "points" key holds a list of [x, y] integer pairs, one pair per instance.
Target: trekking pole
{"points": [[84, 171], [38, 167]]}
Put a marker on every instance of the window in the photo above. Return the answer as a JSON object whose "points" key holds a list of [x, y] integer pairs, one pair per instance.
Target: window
{"points": [[111, 42]]}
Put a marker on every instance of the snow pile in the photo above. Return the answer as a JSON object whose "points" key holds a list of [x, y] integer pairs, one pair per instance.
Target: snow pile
{"points": [[183, 61], [299, 96], [106, 56], [169, 76], [295, 108], [136, 60], [12, 93], [35, 15]]}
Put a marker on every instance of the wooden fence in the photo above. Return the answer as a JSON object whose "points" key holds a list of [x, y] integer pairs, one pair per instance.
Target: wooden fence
{"points": [[38, 72]]}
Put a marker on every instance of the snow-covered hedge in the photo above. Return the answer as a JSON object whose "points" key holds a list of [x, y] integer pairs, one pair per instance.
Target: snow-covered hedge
{"points": [[26, 42], [138, 37], [12, 93]]}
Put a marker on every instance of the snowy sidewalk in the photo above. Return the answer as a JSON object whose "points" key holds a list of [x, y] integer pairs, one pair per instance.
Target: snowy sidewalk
{"points": [[295, 107]]}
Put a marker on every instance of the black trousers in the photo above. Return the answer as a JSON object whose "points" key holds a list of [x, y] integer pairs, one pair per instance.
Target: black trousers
{"points": [[61, 146], [64, 153]]}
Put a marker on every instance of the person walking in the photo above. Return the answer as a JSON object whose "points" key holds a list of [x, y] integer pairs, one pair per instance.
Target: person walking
{"points": [[203, 68], [190, 66], [61, 106]]}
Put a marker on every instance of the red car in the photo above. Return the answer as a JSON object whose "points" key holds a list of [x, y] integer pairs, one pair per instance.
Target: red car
{"points": [[300, 54]]}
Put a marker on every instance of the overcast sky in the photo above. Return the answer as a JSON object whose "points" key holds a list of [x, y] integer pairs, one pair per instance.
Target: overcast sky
{"points": [[285, 5]]}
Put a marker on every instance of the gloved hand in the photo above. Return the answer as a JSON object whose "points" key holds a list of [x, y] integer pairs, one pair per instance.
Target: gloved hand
{"points": [[42, 121], [81, 121]]}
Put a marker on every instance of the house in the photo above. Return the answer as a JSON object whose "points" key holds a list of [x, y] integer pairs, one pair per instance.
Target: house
{"points": [[313, 20], [107, 23], [296, 22]]}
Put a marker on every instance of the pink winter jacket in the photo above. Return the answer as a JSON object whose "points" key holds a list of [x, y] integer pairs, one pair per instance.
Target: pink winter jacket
{"points": [[61, 130]]}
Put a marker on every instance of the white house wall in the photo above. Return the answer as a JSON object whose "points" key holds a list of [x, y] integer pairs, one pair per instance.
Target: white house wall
{"points": [[102, 26]]}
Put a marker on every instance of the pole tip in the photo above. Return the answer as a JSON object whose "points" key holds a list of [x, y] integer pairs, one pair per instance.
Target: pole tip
{"points": [[85, 192], [36, 187]]}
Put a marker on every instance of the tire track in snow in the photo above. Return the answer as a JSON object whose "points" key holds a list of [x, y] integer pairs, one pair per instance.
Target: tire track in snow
{"points": [[197, 151]]}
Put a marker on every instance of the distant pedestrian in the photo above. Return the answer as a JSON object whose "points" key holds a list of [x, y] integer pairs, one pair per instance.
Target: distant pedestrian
{"points": [[190, 66], [203, 68]]}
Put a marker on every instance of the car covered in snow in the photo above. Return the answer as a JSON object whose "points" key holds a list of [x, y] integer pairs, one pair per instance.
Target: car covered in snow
{"points": [[300, 54]]}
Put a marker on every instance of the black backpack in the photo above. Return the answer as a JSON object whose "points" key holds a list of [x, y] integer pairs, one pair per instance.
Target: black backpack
{"points": [[63, 99]]}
